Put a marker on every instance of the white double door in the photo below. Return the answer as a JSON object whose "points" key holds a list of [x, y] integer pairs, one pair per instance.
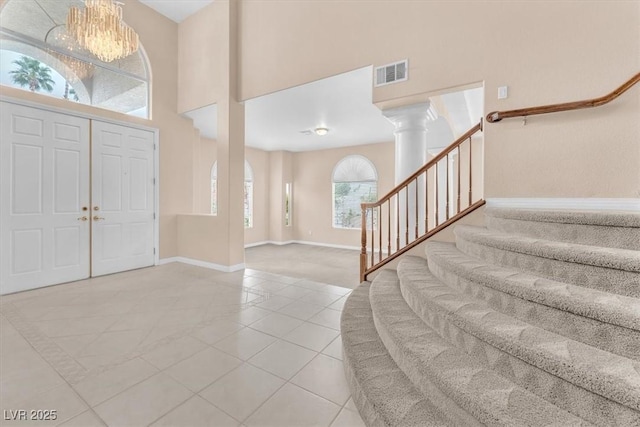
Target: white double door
{"points": [[77, 198]]}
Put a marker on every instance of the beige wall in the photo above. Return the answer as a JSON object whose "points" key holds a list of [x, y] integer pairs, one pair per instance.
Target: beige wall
{"points": [[312, 192], [450, 44], [159, 36], [545, 51], [310, 173], [202, 39]]}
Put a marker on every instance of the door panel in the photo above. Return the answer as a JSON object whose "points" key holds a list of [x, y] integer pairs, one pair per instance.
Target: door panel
{"points": [[44, 165], [26, 248], [123, 194], [66, 254], [26, 177], [66, 188], [110, 187]]}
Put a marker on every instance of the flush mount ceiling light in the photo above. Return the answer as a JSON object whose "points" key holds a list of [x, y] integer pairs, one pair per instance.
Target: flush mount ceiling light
{"points": [[321, 131], [99, 29]]}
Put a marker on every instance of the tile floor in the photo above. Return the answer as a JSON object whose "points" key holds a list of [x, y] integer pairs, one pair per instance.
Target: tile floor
{"points": [[176, 345], [321, 264]]}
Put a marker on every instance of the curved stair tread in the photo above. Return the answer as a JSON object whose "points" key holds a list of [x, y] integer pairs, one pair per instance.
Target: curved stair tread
{"points": [[603, 306], [429, 359], [615, 229], [381, 391], [614, 377], [612, 258], [601, 218]]}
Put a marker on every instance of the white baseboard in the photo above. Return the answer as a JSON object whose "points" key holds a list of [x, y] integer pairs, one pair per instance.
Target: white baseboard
{"points": [[306, 242], [326, 245], [302, 242], [268, 242], [566, 203], [205, 264]]}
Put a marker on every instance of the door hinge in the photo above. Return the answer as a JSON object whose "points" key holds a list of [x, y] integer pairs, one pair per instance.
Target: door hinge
{"points": [[154, 215], [154, 251], [154, 146], [154, 181]]}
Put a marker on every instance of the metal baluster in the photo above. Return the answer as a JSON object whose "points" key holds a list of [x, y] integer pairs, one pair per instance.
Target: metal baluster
{"points": [[446, 215], [470, 171], [373, 241], [426, 201], [406, 214], [363, 241], [458, 165], [398, 221], [437, 213], [389, 228], [380, 232], [417, 204]]}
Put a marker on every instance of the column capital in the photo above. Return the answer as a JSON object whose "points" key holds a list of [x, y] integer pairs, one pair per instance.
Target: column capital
{"points": [[411, 117]]}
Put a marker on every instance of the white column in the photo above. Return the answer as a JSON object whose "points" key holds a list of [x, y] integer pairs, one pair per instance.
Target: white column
{"points": [[411, 154]]}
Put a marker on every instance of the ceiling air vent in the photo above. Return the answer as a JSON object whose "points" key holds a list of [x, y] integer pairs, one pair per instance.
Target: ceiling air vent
{"points": [[391, 73]]}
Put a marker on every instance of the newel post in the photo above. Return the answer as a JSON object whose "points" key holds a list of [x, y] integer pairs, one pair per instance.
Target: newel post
{"points": [[363, 241]]}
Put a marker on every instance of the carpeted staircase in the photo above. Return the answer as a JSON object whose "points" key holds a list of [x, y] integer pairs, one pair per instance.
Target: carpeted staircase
{"points": [[533, 320]]}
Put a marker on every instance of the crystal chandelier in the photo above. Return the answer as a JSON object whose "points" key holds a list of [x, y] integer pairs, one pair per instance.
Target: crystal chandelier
{"points": [[99, 29], [75, 69]]}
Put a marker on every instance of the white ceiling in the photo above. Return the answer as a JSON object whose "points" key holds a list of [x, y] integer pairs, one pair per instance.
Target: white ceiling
{"points": [[343, 104], [277, 121], [176, 10]]}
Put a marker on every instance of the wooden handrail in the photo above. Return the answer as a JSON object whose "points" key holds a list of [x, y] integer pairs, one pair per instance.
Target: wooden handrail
{"points": [[420, 171], [496, 116], [412, 228]]}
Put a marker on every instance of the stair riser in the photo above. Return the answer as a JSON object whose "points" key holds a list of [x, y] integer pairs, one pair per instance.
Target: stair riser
{"points": [[610, 237], [367, 411], [382, 393], [606, 336], [421, 374], [605, 307], [450, 378], [605, 279], [570, 397]]}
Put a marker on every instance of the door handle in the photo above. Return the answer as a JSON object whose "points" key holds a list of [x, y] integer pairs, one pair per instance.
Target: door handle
{"points": [[97, 218], [83, 218]]}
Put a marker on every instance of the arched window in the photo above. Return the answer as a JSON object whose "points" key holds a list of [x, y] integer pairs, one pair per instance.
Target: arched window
{"points": [[34, 40], [354, 181], [248, 192]]}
